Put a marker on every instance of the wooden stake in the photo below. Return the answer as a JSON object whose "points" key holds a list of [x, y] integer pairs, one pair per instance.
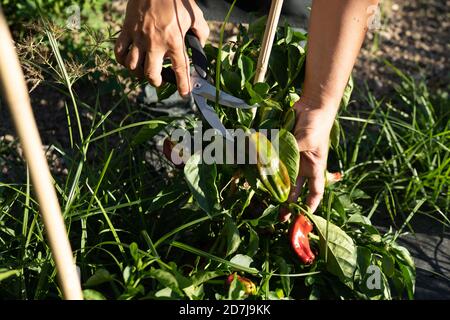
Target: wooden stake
{"points": [[15, 93], [269, 36]]}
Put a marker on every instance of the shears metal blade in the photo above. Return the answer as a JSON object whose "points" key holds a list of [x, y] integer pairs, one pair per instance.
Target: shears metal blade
{"points": [[202, 90]]}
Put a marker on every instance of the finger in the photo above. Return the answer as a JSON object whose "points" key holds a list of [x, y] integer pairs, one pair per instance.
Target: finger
{"points": [[121, 47], [297, 189], [316, 186], [134, 59], [180, 65], [201, 29], [153, 67]]}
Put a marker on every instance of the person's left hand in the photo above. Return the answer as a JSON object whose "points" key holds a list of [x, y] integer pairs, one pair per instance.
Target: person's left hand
{"points": [[154, 29]]}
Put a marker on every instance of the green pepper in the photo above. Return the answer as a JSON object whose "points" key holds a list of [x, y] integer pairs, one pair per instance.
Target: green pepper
{"points": [[272, 171]]}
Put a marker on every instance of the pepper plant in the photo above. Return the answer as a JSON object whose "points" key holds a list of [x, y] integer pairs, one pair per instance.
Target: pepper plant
{"points": [[242, 222]]}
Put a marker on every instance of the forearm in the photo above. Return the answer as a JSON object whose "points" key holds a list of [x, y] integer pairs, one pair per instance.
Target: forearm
{"points": [[336, 32]]}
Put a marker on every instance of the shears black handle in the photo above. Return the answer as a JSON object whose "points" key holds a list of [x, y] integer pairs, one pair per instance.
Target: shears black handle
{"points": [[198, 59]]}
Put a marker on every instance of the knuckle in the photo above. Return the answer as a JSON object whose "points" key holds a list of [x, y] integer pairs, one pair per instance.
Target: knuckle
{"points": [[204, 33], [175, 41], [179, 67], [154, 79], [118, 52], [207, 31], [183, 85], [317, 194]]}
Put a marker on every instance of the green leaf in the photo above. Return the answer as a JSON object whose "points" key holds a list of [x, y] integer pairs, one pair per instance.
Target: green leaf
{"points": [[232, 82], [398, 281], [261, 88], [245, 117], [232, 233], [183, 282], [278, 65], [257, 27], [245, 65], [134, 251], [366, 224], [253, 243], [403, 255], [242, 260], [347, 93], [166, 279], [284, 269], [359, 219], [207, 255], [236, 290], [272, 104], [8, 273], [289, 153], [298, 36], [339, 208], [335, 134], [90, 294], [167, 196], [407, 267], [342, 252], [288, 33], [99, 277], [165, 91], [203, 276], [388, 265], [201, 179], [268, 217], [294, 61], [255, 96], [364, 259], [148, 131]]}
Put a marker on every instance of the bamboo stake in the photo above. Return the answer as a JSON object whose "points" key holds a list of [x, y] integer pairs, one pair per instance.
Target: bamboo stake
{"points": [[269, 36], [15, 94]]}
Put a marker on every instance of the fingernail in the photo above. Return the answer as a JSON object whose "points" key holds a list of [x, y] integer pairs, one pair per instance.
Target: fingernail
{"points": [[186, 97]]}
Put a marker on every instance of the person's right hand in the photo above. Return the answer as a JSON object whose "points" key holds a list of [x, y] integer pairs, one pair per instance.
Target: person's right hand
{"points": [[155, 29], [312, 131]]}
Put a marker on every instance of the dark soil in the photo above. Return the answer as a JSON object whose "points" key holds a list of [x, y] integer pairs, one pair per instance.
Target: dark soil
{"points": [[415, 38]]}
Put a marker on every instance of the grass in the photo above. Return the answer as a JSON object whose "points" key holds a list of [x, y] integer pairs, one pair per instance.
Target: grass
{"points": [[404, 144], [133, 226]]}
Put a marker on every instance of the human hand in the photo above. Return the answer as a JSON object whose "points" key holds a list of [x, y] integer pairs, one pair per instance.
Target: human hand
{"points": [[155, 29], [312, 131]]}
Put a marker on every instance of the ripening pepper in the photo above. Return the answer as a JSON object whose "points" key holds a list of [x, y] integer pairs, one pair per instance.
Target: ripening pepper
{"points": [[299, 239], [332, 178], [173, 157], [272, 171], [250, 287]]}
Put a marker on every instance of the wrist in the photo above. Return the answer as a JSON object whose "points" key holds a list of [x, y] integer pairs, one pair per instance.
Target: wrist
{"points": [[312, 115]]}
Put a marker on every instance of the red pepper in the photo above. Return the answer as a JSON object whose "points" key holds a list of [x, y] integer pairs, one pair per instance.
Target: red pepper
{"points": [[299, 239], [250, 287], [176, 159], [332, 178]]}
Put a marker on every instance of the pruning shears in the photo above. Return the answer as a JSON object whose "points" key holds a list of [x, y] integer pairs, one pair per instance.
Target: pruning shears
{"points": [[202, 90]]}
